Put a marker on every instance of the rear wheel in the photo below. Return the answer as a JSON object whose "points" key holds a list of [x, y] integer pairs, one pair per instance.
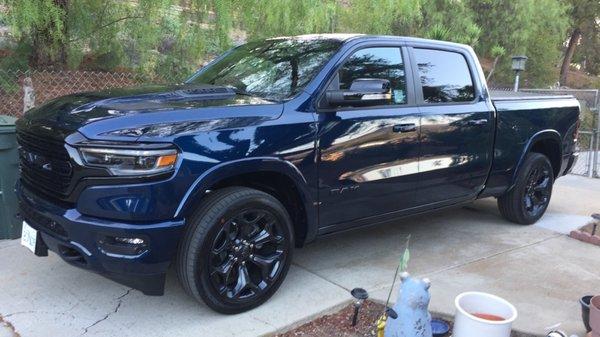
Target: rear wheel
{"points": [[529, 198], [236, 250]]}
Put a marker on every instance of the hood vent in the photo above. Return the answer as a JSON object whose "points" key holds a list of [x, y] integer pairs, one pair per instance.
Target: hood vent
{"points": [[207, 92]]}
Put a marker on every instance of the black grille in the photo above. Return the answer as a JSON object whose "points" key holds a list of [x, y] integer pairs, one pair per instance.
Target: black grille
{"points": [[44, 163], [41, 222]]}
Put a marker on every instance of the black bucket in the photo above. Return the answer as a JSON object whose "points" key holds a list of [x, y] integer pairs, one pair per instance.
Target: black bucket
{"points": [[585, 311]]}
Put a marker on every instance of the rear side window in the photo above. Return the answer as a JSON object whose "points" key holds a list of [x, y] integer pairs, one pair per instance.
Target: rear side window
{"points": [[445, 76], [381, 62]]}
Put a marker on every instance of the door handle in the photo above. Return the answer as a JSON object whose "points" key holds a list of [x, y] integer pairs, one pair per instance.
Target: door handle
{"points": [[411, 127], [476, 122]]}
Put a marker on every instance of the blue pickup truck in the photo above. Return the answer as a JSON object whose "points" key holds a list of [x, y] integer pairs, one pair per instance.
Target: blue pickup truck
{"points": [[272, 145]]}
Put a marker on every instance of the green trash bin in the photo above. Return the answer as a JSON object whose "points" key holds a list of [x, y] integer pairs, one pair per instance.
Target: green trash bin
{"points": [[10, 226]]}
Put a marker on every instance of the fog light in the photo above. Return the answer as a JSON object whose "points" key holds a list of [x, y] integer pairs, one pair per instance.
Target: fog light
{"points": [[131, 241], [118, 246]]}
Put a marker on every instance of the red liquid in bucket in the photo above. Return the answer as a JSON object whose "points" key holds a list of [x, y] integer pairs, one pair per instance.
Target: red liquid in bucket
{"points": [[488, 317]]}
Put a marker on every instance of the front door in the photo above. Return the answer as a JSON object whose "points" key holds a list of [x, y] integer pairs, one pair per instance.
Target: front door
{"points": [[457, 130], [368, 156]]}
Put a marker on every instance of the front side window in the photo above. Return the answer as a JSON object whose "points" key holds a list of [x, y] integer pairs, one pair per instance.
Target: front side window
{"points": [[445, 76], [381, 63], [274, 69]]}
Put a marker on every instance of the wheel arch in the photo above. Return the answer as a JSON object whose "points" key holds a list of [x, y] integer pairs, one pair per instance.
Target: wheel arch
{"points": [[547, 142], [272, 175]]}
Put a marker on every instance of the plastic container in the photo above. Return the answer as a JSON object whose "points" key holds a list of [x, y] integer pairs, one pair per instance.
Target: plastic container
{"points": [[439, 328], [585, 311], [10, 226], [499, 313], [595, 316]]}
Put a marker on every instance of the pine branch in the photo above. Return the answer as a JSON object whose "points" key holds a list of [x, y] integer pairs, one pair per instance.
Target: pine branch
{"points": [[106, 25]]}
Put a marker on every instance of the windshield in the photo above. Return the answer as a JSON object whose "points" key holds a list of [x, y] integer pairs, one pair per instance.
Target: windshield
{"points": [[273, 69]]}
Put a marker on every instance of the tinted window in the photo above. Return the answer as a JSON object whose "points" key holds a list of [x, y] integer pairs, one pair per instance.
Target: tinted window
{"points": [[274, 69], [445, 76], [384, 63]]}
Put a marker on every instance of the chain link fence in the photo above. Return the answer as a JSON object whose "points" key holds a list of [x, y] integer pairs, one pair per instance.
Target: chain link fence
{"points": [[21, 90]]}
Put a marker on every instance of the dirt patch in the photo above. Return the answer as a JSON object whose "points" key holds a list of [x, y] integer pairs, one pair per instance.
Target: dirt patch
{"points": [[340, 323]]}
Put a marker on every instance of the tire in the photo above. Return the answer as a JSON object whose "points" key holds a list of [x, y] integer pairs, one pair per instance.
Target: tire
{"points": [[236, 249], [528, 200]]}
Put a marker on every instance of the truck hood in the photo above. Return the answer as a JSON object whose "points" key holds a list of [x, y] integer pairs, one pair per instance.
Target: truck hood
{"points": [[130, 112]]}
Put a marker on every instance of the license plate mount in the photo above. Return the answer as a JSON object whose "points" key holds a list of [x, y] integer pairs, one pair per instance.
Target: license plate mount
{"points": [[32, 240]]}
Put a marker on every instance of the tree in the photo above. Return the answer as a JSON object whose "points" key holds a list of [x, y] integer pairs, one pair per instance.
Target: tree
{"points": [[145, 35], [166, 37], [526, 30], [585, 20], [42, 24], [544, 42], [381, 17], [588, 53], [449, 20], [496, 52], [261, 19]]}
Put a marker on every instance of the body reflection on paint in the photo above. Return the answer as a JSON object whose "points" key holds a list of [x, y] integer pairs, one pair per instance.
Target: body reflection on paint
{"points": [[402, 169]]}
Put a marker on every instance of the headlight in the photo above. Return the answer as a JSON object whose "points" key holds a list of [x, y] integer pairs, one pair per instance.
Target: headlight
{"points": [[125, 162]]}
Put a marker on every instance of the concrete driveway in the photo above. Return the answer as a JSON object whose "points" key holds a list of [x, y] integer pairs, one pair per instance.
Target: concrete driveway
{"points": [[537, 268]]}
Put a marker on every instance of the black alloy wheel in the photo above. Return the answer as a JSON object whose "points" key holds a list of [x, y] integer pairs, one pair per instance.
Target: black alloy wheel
{"points": [[236, 250], [529, 198], [537, 190], [247, 255]]}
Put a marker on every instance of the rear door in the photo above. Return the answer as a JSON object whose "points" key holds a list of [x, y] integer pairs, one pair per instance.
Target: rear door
{"points": [[457, 130], [368, 156]]}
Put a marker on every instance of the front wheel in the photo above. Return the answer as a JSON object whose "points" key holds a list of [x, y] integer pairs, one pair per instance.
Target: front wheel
{"points": [[529, 198], [237, 249]]}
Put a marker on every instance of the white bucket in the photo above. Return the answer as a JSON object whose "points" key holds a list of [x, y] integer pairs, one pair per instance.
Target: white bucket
{"points": [[468, 325]]}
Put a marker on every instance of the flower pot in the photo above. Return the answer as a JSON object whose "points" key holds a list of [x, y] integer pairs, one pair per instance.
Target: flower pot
{"points": [[595, 316], [585, 311], [481, 314]]}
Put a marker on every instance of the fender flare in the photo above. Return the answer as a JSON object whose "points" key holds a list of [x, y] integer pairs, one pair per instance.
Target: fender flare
{"points": [[233, 168], [540, 135]]}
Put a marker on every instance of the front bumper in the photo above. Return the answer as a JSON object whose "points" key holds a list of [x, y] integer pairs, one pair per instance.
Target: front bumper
{"points": [[78, 239]]}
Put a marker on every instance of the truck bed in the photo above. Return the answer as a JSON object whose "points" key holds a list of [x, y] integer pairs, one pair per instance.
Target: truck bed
{"points": [[521, 116]]}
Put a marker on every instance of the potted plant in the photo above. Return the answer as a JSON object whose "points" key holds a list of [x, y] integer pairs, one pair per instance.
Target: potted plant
{"points": [[481, 314], [595, 316], [585, 311]]}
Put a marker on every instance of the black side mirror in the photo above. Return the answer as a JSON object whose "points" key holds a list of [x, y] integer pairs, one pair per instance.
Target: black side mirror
{"points": [[362, 92]]}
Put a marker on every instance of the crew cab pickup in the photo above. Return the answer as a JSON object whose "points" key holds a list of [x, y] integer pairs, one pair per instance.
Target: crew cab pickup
{"points": [[272, 145]]}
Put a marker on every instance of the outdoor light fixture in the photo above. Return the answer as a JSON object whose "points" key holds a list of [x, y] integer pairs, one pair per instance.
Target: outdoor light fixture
{"points": [[360, 295], [518, 65]]}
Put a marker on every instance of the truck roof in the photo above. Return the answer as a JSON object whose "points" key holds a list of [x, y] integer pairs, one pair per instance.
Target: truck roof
{"points": [[345, 37]]}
